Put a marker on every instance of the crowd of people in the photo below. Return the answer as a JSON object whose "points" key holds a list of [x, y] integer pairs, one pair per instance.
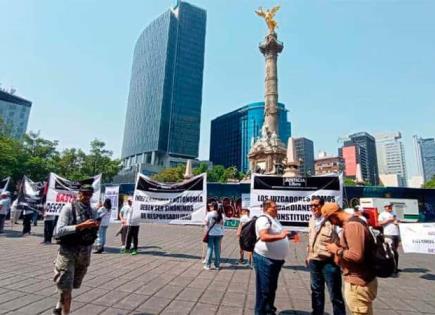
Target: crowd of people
{"points": [[338, 248]]}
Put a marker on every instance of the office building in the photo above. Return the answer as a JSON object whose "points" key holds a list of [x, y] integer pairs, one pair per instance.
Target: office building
{"points": [[232, 134], [391, 158], [14, 113], [305, 154], [162, 124], [363, 146], [425, 151], [325, 164]]}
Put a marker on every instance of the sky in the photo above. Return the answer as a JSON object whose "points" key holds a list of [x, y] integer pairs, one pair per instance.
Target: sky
{"points": [[347, 66]]}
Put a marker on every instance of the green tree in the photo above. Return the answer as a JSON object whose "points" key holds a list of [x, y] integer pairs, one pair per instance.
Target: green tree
{"points": [[349, 182], [216, 174], [171, 174], [430, 183], [99, 160], [70, 164]]}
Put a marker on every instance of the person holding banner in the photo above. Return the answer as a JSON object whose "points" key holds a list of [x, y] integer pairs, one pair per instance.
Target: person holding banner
{"points": [[133, 224], [76, 231], [103, 213]]}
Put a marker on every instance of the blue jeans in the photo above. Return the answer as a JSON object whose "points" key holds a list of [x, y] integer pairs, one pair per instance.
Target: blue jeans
{"points": [[214, 245], [101, 240], [321, 272], [266, 274]]}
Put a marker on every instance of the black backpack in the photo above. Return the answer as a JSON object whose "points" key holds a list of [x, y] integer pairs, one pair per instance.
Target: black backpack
{"points": [[84, 237], [379, 254], [248, 236]]}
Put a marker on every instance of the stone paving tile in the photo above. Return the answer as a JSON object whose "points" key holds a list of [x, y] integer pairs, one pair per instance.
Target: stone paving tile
{"points": [[153, 305], [167, 277], [178, 307], [202, 308]]}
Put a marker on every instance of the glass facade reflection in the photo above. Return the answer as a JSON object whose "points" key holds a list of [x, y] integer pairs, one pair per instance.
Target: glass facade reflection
{"points": [[232, 134], [14, 113], [164, 104]]}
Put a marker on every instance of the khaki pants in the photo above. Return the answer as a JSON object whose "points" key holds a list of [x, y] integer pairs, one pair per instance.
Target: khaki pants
{"points": [[360, 299]]}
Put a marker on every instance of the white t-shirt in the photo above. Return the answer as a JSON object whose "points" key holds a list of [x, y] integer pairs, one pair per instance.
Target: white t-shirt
{"points": [[390, 228], [104, 214], [244, 219], [277, 250], [129, 215], [218, 228], [4, 206]]}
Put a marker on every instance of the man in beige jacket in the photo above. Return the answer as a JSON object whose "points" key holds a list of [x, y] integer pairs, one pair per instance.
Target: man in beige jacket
{"points": [[321, 262]]}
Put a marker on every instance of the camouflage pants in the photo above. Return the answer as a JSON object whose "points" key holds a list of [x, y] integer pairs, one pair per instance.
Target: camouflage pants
{"points": [[70, 266]]}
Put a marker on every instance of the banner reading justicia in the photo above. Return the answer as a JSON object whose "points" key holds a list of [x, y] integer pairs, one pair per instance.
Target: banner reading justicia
{"points": [[180, 203], [293, 195], [62, 191]]}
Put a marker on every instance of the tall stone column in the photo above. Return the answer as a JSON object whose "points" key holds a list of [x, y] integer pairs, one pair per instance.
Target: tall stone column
{"points": [[270, 48], [268, 152]]}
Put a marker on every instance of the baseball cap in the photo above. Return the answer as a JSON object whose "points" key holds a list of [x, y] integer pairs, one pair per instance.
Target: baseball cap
{"points": [[330, 208], [86, 188]]}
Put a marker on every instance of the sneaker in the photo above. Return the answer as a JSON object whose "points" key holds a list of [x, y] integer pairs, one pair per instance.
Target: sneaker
{"points": [[204, 261], [133, 252], [218, 268], [207, 267], [57, 311]]}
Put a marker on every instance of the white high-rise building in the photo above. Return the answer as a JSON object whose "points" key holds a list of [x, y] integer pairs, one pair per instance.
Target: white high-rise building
{"points": [[425, 151], [391, 156]]}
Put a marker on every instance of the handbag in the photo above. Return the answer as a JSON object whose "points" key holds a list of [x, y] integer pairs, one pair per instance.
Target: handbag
{"points": [[205, 238]]}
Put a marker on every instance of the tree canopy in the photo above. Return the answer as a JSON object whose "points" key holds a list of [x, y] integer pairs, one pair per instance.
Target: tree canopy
{"points": [[36, 157]]}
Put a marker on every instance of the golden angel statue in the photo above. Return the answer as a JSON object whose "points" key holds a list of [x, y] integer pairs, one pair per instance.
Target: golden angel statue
{"points": [[268, 17]]}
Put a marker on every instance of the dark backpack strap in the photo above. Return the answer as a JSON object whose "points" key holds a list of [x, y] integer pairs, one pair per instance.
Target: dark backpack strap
{"points": [[74, 214]]}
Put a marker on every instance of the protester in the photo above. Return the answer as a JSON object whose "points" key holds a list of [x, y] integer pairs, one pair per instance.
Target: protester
{"points": [[214, 222], [321, 262], [132, 222], [49, 224], [4, 209], [103, 214], [269, 255], [124, 226], [388, 220], [352, 254], [27, 219], [244, 218], [15, 212], [76, 230]]}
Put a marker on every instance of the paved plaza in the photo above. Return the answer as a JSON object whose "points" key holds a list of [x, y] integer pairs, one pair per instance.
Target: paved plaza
{"points": [[167, 278]]}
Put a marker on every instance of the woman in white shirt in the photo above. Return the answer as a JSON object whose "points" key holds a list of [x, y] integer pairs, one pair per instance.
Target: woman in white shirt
{"points": [[103, 214], [214, 222]]}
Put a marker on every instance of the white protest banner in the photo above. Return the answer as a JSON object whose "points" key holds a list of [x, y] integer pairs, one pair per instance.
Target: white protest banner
{"points": [[30, 195], [62, 191], [112, 193], [4, 184], [180, 203], [418, 237], [293, 196], [246, 198]]}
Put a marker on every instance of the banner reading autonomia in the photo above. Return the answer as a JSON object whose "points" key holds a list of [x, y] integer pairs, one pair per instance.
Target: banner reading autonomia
{"points": [[293, 195], [112, 193], [418, 237], [62, 191], [4, 183], [180, 203]]}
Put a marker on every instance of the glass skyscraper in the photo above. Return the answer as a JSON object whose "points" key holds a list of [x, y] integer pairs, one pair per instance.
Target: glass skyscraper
{"points": [[425, 150], [164, 104], [14, 113], [232, 134]]}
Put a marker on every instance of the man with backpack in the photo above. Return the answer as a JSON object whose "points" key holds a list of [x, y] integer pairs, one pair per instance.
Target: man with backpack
{"points": [[353, 254], [76, 231]]}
